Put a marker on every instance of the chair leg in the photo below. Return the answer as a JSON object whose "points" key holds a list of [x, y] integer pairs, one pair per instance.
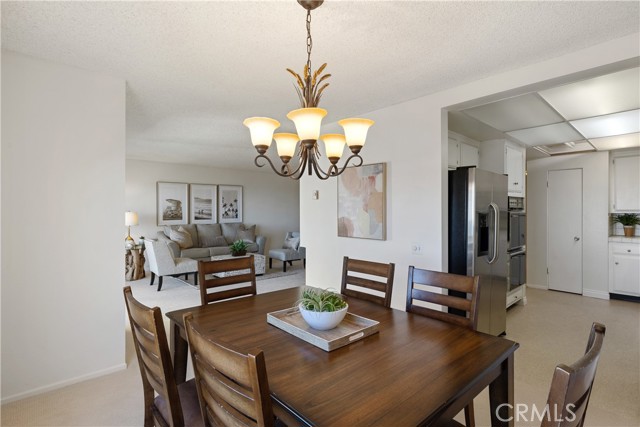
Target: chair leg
{"points": [[291, 263], [284, 266], [153, 277], [195, 278], [159, 283], [270, 262], [304, 263], [469, 416]]}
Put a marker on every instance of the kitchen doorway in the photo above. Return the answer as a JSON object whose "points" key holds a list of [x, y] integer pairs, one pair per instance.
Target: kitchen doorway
{"points": [[564, 230]]}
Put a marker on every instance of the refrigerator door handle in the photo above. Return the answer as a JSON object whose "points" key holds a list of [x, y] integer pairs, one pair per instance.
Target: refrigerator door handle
{"points": [[496, 228]]}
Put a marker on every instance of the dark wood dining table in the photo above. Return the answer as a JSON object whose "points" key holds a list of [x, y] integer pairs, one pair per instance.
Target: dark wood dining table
{"points": [[414, 371]]}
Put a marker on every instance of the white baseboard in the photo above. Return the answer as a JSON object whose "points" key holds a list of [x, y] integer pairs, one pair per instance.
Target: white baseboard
{"points": [[534, 286], [595, 294], [64, 383]]}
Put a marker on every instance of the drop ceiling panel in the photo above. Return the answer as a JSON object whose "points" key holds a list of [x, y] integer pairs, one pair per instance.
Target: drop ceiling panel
{"points": [[543, 135], [521, 112], [554, 149], [616, 142], [606, 94], [609, 125]]}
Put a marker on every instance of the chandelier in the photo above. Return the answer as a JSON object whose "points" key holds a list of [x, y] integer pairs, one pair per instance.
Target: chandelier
{"points": [[307, 120]]}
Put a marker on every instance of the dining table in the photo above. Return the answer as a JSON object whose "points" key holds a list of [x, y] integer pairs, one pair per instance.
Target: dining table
{"points": [[413, 372]]}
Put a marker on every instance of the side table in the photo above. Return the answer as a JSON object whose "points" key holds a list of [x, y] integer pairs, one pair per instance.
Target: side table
{"points": [[134, 263]]}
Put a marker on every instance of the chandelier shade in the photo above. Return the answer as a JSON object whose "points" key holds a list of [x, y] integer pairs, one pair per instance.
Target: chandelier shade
{"points": [[261, 129], [309, 86]]}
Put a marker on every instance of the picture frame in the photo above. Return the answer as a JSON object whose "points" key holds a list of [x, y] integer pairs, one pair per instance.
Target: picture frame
{"points": [[230, 203], [172, 203], [362, 202], [203, 203]]}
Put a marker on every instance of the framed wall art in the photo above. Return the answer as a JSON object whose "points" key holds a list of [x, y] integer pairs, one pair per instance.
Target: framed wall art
{"points": [[230, 203], [362, 201], [172, 203], [203, 199]]}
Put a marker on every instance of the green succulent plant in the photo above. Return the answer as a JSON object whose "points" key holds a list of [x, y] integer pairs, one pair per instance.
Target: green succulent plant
{"points": [[238, 247], [314, 299], [627, 219]]}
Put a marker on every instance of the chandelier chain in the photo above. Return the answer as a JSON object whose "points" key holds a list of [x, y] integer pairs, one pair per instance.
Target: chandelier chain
{"points": [[309, 41]]}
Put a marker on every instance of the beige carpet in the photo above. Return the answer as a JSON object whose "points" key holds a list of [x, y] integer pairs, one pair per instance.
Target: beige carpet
{"points": [[551, 329]]}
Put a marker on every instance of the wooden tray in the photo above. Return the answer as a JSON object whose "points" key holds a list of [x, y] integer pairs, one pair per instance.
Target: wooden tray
{"points": [[352, 328]]}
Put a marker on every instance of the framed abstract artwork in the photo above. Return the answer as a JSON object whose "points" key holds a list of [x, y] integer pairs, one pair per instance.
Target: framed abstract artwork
{"points": [[172, 203], [362, 201], [230, 203], [203, 201]]}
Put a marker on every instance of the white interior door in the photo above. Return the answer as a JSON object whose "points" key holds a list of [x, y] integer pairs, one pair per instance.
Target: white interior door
{"points": [[564, 225]]}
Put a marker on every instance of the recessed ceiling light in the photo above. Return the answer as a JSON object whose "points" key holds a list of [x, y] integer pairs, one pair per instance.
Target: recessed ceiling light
{"points": [[616, 142], [609, 125]]}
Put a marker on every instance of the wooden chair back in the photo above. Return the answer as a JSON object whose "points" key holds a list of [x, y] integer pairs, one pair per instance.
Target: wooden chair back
{"points": [[571, 385], [466, 284], [222, 266], [383, 287], [156, 369], [232, 387]]}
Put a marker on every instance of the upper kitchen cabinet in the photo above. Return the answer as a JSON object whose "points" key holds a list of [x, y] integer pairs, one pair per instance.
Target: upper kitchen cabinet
{"points": [[463, 151], [625, 181], [505, 157]]}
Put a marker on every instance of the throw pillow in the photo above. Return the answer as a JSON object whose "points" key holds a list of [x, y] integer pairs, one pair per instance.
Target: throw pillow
{"points": [[230, 231], [292, 243], [248, 234], [219, 241], [182, 238], [209, 234]]}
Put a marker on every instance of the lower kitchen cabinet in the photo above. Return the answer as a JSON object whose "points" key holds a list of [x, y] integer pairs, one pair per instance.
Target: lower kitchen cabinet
{"points": [[624, 268]]}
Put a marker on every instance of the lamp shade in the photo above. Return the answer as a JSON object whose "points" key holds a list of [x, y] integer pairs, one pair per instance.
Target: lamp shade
{"points": [[130, 218], [286, 143], [307, 121], [355, 130], [261, 129], [333, 144]]}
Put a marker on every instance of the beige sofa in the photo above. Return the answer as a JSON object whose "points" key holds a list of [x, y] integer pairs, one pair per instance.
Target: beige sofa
{"points": [[212, 239]]}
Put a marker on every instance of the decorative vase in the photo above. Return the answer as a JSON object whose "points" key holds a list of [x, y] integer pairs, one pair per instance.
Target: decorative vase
{"points": [[323, 320], [239, 253], [629, 230]]}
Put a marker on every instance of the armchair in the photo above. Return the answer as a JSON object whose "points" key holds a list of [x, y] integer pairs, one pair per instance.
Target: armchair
{"points": [[162, 262]]}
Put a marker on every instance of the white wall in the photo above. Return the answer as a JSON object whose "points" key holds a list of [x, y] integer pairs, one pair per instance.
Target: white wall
{"points": [[63, 142], [595, 219], [270, 201], [412, 138]]}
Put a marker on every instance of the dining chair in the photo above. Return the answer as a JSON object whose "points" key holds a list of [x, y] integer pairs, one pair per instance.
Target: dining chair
{"points": [[467, 285], [232, 386], [174, 406], [571, 385], [381, 289], [223, 273]]}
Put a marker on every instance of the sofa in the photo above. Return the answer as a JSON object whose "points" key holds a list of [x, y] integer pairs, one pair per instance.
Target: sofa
{"points": [[207, 240]]}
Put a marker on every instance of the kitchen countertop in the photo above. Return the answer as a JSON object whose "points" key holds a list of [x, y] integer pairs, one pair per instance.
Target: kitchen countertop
{"points": [[622, 239]]}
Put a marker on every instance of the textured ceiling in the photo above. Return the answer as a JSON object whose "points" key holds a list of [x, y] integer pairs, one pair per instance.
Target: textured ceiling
{"points": [[195, 70]]}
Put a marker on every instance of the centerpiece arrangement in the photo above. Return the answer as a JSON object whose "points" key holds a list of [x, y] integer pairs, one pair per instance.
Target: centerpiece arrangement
{"points": [[322, 309], [628, 221], [238, 248]]}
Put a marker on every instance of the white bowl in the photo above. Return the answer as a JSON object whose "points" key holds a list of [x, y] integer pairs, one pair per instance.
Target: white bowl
{"points": [[323, 320]]}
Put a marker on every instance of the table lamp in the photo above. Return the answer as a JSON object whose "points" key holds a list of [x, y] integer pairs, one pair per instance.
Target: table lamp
{"points": [[130, 218]]}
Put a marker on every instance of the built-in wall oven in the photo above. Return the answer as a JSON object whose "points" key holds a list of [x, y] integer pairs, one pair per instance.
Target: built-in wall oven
{"points": [[517, 249]]}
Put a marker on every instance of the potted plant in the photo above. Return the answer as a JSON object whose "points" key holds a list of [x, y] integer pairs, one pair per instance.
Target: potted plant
{"points": [[628, 221], [322, 309], [238, 248]]}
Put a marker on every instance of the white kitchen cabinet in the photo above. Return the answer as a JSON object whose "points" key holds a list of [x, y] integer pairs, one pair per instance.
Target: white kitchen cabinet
{"points": [[624, 268], [461, 151], [625, 183], [504, 157]]}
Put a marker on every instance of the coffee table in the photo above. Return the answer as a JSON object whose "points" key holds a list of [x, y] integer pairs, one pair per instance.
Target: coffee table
{"points": [[258, 260]]}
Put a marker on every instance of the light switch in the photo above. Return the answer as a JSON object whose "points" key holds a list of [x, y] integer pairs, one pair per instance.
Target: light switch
{"points": [[416, 248], [315, 195]]}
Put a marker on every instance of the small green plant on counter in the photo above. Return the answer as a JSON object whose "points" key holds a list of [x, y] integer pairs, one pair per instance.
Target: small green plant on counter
{"points": [[627, 219], [239, 247], [314, 299]]}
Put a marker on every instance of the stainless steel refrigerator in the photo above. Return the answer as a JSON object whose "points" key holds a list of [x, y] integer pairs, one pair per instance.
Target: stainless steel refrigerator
{"points": [[478, 240]]}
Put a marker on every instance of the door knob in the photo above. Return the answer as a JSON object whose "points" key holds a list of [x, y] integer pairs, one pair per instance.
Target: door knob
{"points": [[575, 239]]}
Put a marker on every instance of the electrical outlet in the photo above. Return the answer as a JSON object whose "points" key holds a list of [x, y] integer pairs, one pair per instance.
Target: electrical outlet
{"points": [[315, 195], [416, 248]]}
